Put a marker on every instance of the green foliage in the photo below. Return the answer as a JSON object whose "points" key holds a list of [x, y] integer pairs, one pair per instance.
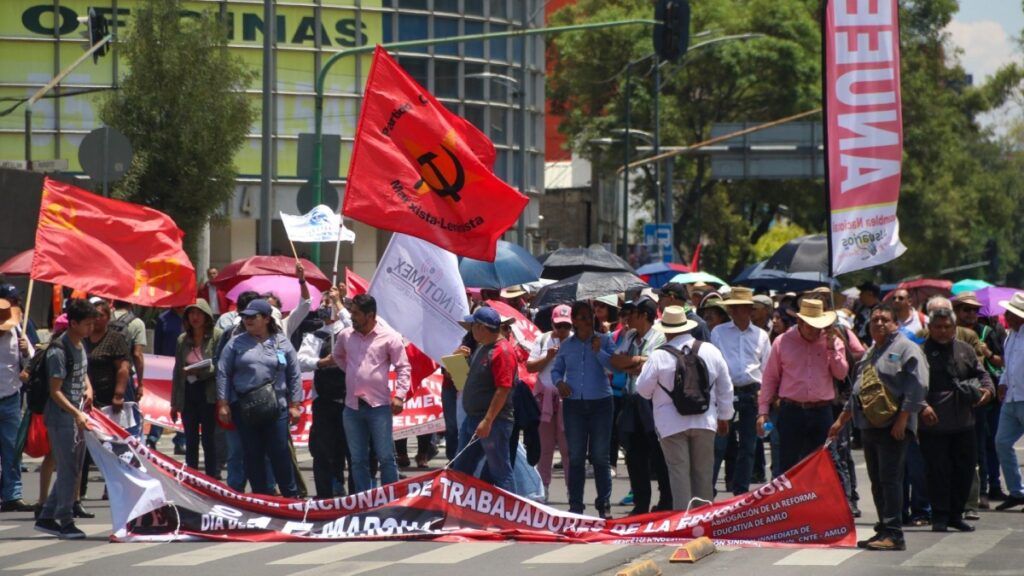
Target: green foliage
{"points": [[961, 185], [775, 238], [183, 109]]}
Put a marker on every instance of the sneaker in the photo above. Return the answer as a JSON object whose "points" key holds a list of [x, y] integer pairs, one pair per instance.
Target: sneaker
{"points": [[70, 532], [18, 505], [402, 460], [886, 544], [47, 526], [969, 515], [996, 494], [604, 511], [628, 500]]}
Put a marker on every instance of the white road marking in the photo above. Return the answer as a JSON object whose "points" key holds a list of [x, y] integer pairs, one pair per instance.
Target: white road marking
{"points": [[573, 554], [957, 550], [196, 556], [335, 553], [454, 553]]}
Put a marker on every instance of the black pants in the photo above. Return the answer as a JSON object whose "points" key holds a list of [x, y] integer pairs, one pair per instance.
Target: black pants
{"points": [[644, 456], [886, 458], [329, 448], [613, 454], [199, 419], [801, 432], [951, 460]]}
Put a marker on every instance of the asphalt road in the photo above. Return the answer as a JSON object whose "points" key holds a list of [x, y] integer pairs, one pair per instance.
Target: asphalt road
{"points": [[996, 548]]}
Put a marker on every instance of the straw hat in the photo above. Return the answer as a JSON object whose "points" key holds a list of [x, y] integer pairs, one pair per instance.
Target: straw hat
{"points": [[813, 312], [1015, 304], [740, 296], [513, 291], [674, 321], [967, 299]]}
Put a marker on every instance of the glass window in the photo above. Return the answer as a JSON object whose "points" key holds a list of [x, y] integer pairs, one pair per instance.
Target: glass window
{"points": [[474, 84], [413, 4], [499, 125], [501, 89], [386, 23], [499, 46], [519, 10], [412, 27], [517, 130], [517, 46], [501, 165], [473, 49], [452, 107], [475, 7], [475, 115], [447, 6], [499, 8], [445, 27], [446, 79], [417, 68]]}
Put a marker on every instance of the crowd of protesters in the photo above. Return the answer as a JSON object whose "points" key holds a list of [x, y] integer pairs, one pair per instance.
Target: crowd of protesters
{"points": [[930, 391]]}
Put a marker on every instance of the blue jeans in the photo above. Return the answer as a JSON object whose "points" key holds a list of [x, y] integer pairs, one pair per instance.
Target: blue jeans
{"points": [[801, 432], [745, 426], [493, 449], [258, 444], [1011, 428], [235, 462], [365, 426], [68, 449], [10, 464], [449, 402], [588, 423]]}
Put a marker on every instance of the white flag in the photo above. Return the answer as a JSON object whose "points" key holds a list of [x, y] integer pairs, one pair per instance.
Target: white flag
{"points": [[420, 293], [321, 224]]}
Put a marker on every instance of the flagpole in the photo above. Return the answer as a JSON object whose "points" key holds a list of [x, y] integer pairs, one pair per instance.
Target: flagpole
{"points": [[28, 305], [337, 251]]}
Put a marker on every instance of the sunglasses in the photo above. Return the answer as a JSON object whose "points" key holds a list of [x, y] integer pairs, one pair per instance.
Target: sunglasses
{"points": [[563, 326]]}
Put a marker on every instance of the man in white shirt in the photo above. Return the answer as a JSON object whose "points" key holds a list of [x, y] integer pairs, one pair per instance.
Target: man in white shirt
{"points": [[1011, 394], [908, 317], [687, 441], [745, 348], [15, 353]]}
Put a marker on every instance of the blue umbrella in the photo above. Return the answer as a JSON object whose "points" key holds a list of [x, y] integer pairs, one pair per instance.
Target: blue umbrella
{"points": [[512, 265], [694, 277], [969, 285], [657, 274]]}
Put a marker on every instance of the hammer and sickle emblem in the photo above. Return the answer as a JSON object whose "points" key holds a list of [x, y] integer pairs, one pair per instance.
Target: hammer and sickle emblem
{"points": [[436, 180]]}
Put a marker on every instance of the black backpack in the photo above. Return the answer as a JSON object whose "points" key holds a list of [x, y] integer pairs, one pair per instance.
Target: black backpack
{"points": [[120, 324], [691, 390], [38, 385]]}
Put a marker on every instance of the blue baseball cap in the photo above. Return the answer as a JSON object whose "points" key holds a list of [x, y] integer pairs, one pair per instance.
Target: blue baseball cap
{"points": [[486, 316], [257, 307]]}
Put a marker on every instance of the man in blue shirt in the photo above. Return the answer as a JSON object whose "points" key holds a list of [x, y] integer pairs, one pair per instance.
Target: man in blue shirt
{"points": [[580, 374]]}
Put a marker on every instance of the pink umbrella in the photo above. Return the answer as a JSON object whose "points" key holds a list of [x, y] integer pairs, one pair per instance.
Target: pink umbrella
{"points": [[19, 264], [285, 287]]}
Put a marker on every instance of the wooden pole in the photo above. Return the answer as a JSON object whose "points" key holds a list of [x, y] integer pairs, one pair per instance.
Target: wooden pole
{"points": [[28, 305]]}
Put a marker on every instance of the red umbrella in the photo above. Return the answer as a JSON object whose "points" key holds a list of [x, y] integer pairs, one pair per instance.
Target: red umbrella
{"points": [[922, 289], [246, 268], [18, 265]]}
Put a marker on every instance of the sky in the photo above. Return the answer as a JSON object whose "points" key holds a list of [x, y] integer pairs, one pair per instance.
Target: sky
{"points": [[986, 30]]}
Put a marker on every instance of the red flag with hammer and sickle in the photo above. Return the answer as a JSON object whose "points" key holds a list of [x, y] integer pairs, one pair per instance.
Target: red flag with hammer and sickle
{"points": [[111, 248], [421, 170]]}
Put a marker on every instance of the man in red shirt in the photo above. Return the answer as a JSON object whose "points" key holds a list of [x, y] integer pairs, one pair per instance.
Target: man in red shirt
{"points": [[487, 400]]}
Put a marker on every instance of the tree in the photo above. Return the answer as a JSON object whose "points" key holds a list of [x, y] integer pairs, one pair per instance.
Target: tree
{"points": [[955, 177], [183, 108]]}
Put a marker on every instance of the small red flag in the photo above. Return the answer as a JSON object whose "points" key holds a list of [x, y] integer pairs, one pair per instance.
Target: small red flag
{"points": [[111, 248], [355, 284], [421, 170]]}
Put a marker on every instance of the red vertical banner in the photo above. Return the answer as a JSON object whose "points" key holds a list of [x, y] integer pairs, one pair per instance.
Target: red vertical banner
{"points": [[864, 128]]}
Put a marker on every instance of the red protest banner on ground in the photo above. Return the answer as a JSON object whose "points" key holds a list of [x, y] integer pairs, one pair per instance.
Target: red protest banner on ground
{"points": [[111, 248], [804, 507], [421, 170]]}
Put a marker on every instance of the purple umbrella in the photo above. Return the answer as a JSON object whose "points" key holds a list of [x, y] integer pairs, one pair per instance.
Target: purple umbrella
{"points": [[286, 288], [990, 297]]}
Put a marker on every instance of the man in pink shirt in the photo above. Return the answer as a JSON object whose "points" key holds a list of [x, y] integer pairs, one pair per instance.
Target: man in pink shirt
{"points": [[366, 352], [800, 369]]}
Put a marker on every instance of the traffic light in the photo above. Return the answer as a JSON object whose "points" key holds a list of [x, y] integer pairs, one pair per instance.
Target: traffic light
{"points": [[95, 31], [672, 33]]}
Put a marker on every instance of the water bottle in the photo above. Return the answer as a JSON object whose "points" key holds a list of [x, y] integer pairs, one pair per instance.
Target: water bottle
{"points": [[768, 427]]}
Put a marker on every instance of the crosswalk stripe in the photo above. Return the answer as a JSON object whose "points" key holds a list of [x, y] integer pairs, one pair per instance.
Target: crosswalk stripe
{"points": [[454, 553], [334, 553], [817, 557], [7, 527], [346, 568], [195, 557], [574, 554], [81, 556], [22, 546], [957, 550]]}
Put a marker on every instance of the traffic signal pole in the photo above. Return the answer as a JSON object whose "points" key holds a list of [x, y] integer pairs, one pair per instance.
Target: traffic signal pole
{"points": [[49, 86], [321, 79]]}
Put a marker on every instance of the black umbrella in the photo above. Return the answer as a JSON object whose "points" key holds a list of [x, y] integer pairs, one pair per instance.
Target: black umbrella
{"points": [[567, 262], [804, 254], [760, 277], [586, 285]]}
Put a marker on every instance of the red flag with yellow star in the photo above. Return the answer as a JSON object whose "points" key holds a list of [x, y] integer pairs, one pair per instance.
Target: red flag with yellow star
{"points": [[111, 248], [419, 169]]}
